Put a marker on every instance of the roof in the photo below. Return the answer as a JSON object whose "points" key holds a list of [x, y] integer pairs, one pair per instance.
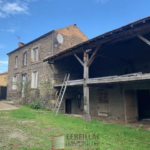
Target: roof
{"points": [[31, 42], [3, 73], [101, 37], [58, 30]]}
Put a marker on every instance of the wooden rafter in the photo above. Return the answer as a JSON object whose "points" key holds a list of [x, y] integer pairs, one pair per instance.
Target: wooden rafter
{"points": [[80, 61], [93, 55], [143, 39], [92, 60], [112, 58]]}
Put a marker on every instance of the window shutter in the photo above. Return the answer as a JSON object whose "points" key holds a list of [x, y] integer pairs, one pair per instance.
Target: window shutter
{"points": [[38, 55], [36, 79], [26, 58], [31, 55], [13, 83], [32, 82]]}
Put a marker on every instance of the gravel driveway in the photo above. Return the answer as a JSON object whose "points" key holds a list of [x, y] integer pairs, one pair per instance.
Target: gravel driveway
{"points": [[5, 106]]}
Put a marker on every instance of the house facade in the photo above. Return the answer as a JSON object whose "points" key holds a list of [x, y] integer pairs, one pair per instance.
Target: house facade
{"points": [[26, 62], [110, 74]]}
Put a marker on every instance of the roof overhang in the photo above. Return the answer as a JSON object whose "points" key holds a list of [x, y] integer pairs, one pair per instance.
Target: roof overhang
{"points": [[125, 32], [31, 42]]}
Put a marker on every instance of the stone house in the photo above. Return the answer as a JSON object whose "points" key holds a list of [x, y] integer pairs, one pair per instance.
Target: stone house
{"points": [[110, 74], [26, 62]]}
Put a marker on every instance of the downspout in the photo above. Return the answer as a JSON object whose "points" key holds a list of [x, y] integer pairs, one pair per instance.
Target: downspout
{"points": [[52, 43]]}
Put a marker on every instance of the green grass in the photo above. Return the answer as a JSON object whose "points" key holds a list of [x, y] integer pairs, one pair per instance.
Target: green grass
{"points": [[23, 113], [34, 130]]}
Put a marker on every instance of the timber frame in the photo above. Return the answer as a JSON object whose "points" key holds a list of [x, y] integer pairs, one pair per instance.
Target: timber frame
{"points": [[135, 29]]}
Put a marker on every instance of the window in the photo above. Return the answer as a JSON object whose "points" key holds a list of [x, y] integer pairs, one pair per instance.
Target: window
{"points": [[14, 83], [16, 62], [5, 79], [35, 54], [24, 79], [25, 59], [34, 79]]}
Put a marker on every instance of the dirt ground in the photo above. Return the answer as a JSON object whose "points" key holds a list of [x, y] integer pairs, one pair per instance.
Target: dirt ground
{"points": [[4, 105]]}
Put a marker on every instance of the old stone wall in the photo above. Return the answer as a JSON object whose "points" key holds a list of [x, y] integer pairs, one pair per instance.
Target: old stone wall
{"points": [[44, 71], [68, 65], [115, 101]]}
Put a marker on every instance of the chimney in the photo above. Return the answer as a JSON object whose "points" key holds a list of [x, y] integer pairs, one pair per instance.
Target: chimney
{"points": [[20, 44]]}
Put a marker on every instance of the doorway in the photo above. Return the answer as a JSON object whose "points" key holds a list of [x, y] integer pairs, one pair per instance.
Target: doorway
{"points": [[143, 97], [3, 92], [68, 106], [130, 106]]}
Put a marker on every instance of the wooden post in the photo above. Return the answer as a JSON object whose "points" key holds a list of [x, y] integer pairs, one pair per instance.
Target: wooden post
{"points": [[86, 115]]}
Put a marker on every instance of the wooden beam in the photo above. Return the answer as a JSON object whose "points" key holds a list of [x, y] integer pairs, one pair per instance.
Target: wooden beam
{"points": [[92, 60], [80, 61], [110, 80], [143, 39], [114, 38], [93, 55], [86, 115], [112, 58]]}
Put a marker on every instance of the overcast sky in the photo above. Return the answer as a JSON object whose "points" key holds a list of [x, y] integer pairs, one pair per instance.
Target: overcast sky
{"points": [[30, 19]]}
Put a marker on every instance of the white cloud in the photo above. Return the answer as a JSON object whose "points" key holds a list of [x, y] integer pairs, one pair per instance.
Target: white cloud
{"points": [[16, 7], [2, 15], [2, 45], [2, 62], [101, 1], [9, 30]]}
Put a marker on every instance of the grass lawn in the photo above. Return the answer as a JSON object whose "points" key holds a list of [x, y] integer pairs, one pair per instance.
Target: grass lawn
{"points": [[25, 129]]}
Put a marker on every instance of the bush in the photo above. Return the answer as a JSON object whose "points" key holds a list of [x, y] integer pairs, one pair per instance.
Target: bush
{"points": [[35, 105]]}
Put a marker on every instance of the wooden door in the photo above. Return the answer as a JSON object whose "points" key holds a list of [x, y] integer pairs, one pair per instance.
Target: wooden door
{"points": [[130, 106], [102, 103]]}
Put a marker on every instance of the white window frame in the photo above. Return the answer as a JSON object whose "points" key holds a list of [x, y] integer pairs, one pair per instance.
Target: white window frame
{"points": [[14, 83], [25, 59], [16, 62], [34, 83], [35, 54]]}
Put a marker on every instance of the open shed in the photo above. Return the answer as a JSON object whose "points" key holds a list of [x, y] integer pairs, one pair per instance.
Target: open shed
{"points": [[109, 74]]}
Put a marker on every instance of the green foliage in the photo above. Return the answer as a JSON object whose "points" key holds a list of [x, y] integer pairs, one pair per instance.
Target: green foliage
{"points": [[46, 87], [35, 105], [141, 127]]}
